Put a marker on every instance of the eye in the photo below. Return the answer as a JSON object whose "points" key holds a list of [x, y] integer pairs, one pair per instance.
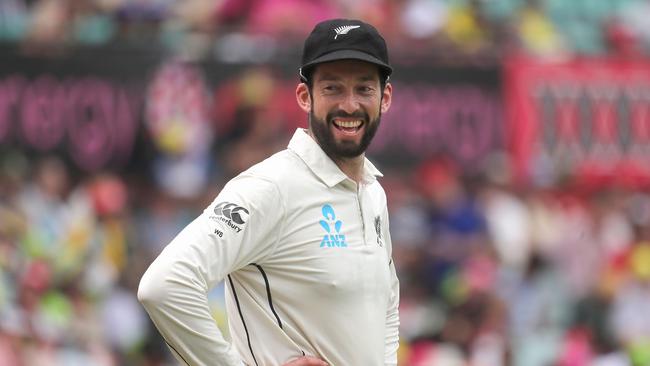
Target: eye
{"points": [[331, 88], [365, 89]]}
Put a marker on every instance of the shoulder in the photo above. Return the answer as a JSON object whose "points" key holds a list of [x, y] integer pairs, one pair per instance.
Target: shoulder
{"points": [[274, 173], [278, 168], [275, 166]]}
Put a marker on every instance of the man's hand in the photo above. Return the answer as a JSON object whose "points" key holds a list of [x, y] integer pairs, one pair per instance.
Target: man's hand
{"points": [[307, 361]]}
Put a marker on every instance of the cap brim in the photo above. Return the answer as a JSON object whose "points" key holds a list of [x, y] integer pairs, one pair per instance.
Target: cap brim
{"points": [[349, 55]]}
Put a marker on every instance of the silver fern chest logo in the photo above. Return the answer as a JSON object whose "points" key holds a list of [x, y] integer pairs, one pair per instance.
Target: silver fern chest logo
{"points": [[344, 29], [380, 241]]}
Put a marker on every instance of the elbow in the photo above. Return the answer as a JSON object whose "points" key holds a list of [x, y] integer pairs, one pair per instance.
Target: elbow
{"points": [[145, 292], [150, 290], [167, 281]]}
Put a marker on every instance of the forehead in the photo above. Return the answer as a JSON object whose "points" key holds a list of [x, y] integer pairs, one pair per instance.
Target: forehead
{"points": [[346, 69]]}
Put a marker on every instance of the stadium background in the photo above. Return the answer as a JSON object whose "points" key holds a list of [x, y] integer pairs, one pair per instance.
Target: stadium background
{"points": [[516, 157]]}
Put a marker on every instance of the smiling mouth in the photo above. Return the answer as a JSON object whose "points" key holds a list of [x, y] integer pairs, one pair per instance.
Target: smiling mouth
{"points": [[349, 127]]}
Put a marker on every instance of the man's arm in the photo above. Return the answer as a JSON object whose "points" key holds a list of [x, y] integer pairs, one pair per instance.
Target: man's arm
{"points": [[237, 229], [392, 321], [392, 312]]}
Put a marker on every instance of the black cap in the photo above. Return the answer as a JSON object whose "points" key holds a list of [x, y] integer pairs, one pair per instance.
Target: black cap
{"points": [[344, 39]]}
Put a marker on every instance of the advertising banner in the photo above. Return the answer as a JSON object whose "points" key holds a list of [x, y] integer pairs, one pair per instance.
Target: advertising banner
{"points": [[97, 107], [585, 120]]}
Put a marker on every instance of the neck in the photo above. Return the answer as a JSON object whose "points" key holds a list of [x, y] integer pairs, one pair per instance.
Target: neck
{"points": [[352, 167]]}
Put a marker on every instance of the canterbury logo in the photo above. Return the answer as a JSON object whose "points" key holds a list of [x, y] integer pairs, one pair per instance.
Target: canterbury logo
{"points": [[231, 211], [344, 29]]}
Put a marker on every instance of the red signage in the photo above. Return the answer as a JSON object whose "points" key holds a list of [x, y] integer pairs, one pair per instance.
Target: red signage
{"points": [[584, 119]]}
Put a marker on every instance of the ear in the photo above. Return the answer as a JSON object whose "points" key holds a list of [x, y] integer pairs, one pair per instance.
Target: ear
{"points": [[302, 97], [386, 98]]}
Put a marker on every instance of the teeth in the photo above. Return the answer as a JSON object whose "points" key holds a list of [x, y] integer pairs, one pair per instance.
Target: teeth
{"points": [[349, 124]]}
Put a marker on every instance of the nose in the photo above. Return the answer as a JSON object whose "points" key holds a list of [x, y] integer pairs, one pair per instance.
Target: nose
{"points": [[350, 103]]}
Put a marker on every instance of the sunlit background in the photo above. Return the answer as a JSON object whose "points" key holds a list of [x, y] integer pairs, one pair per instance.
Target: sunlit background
{"points": [[516, 158]]}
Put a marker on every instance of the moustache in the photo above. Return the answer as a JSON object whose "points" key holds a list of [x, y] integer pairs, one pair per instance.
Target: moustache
{"points": [[342, 114]]}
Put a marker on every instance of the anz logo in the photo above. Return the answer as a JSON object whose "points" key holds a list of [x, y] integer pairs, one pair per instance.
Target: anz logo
{"points": [[332, 227], [231, 214]]}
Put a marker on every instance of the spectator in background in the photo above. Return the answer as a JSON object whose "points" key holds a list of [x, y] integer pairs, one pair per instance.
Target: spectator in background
{"points": [[60, 214], [630, 318]]}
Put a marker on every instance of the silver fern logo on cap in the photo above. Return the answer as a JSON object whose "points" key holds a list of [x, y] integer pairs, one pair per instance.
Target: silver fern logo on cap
{"points": [[344, 29]]}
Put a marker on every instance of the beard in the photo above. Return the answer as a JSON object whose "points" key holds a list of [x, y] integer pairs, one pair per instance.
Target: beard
{"points": [[342, 149]]}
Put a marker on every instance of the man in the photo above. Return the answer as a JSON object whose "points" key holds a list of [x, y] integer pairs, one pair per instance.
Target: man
{"points": [[301, 239]]}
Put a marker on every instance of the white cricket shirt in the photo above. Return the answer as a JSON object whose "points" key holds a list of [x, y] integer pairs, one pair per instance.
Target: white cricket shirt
{"points": [[306, 256]]}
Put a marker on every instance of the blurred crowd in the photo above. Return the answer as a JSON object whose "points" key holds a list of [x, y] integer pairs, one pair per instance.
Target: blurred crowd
{"points": [[494, 273], [73, 250], [255, 30]]}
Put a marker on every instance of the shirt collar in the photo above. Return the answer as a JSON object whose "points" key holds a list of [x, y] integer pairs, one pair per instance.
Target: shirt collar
{"points": [[321, 164]]}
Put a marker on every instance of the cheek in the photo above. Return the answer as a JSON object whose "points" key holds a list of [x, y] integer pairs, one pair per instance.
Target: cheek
{"points": [[374, 109], [320, 109]]}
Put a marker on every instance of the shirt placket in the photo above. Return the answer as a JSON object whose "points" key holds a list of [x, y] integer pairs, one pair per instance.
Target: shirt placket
{"points": [[359, 198]]}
